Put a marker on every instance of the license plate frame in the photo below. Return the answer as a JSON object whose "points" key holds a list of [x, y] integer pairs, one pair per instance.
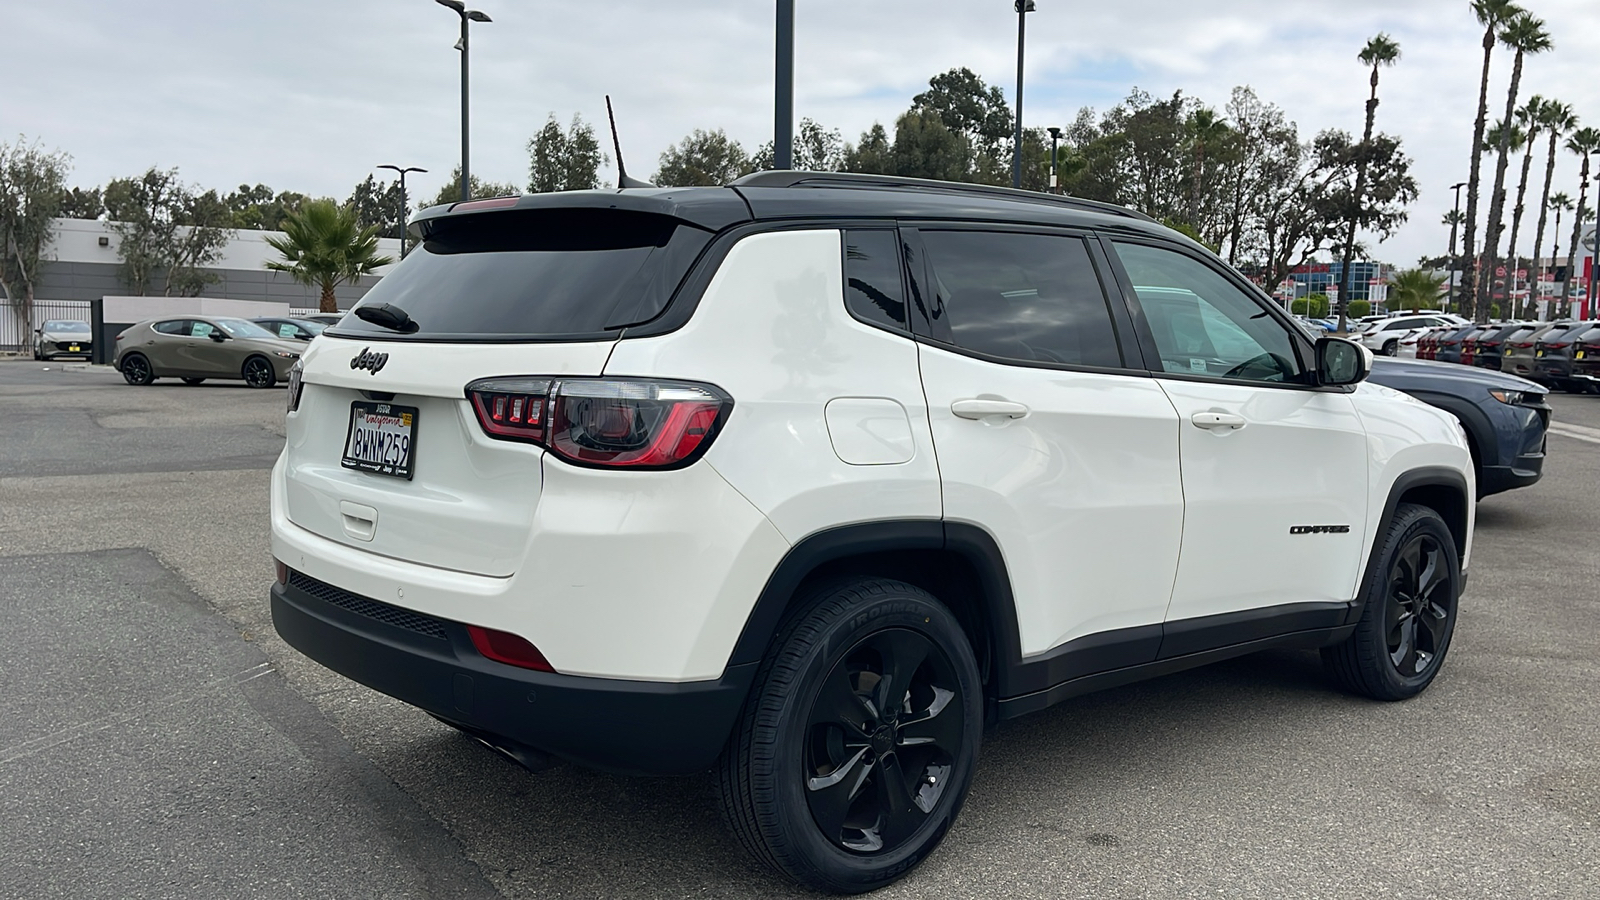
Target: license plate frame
{"points": [[375, 415]]}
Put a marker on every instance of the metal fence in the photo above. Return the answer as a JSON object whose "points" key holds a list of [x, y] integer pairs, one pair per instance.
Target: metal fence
{"points": [[17, 335]]}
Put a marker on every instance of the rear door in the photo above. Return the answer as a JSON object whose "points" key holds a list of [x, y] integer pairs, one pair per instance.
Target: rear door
{"points": [[498, 294], [1050, 440], [1274, 471]]}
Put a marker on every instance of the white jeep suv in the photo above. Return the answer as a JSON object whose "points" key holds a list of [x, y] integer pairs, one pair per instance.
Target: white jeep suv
{"points": [[810, 478]]}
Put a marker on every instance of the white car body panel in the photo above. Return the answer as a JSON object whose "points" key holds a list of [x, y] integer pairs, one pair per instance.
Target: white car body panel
{"points": [[1083, 493], [1403, 435], [772, 330], [1299, 459]]}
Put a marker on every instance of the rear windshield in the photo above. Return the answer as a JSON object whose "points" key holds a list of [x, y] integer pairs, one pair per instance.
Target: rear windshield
{"points": [[528, 275]]}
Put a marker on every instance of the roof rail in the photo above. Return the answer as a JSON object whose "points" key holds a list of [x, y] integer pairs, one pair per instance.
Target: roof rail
{"points": [[791, 178]]}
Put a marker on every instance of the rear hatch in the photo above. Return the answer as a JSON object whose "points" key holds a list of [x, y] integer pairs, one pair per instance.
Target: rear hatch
{"points": [[513, 292]]}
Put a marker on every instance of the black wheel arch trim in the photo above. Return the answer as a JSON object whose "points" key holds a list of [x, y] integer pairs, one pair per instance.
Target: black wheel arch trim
{"points": [[1441, 484]]}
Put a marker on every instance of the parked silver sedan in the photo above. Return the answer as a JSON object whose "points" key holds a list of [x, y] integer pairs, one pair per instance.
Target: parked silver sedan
{"points": [[194, 348], [62, 337]]}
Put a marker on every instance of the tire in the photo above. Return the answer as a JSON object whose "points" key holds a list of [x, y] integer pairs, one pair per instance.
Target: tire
{"points": [[1392, 348], [1408, 613], [136, 370], [193, 381], [258, 372], [779, 778]]}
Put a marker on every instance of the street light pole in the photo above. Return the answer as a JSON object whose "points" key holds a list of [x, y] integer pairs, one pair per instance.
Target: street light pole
{"points": [[467, 15], [1055, 135], [404, 206], [783, 85], [1455, 224], [1023, 7]]}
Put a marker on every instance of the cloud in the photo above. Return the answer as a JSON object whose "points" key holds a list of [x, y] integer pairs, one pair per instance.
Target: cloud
{"points": [[309, 96]]}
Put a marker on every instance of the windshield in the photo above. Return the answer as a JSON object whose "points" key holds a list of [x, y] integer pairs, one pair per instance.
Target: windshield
{"points": [[310, 325], [66, 326], [239, 328]]}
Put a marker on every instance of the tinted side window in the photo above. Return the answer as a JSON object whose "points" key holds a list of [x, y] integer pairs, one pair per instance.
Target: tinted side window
{"points": [[1202, 323], [173, 326], [1024, 297], [872, 288]]}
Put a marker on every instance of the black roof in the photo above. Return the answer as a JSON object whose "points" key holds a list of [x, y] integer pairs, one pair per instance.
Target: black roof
{"points": [[777, 195]]}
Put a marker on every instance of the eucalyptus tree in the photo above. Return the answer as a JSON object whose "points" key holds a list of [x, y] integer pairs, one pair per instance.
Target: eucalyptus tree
{"points": [[1584, 142], [1556, 119], [1491, 14], [1525, 34], [1380, 52]]}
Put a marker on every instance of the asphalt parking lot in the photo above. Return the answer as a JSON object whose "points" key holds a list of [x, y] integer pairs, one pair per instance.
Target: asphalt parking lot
{"points": [[157, 739]]}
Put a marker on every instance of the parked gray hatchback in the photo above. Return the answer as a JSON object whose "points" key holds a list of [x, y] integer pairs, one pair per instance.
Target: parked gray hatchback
{"points": [[195, 348]]}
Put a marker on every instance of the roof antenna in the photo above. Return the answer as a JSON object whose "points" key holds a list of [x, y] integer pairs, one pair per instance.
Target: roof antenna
{"points": [[623, 181]]}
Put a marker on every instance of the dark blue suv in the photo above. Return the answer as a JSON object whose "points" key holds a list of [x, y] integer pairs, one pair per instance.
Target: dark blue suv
{"points": [[1505, 417]]}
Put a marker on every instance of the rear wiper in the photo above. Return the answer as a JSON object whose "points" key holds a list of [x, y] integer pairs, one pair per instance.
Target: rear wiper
{"points": [[387, 315]]}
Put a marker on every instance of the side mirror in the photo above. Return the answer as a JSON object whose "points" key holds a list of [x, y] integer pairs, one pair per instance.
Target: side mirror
{"points": [[218, 336], [1342, 362]]}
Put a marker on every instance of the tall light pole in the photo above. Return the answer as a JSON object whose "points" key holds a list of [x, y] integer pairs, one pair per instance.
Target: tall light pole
{"points": [[1023, 7], [1055, 136], [404, 206], [1455, 224], [783, 85], [467, 15]]}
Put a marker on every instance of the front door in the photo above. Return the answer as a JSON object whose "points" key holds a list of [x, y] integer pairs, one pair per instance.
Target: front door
{"points": [[1274, 470], [1046, 439]]}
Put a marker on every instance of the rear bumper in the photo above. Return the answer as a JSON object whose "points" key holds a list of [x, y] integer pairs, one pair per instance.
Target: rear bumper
{"points": [[634, 727]]}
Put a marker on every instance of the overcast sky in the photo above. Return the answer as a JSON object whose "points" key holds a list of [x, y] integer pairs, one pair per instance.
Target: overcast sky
{"points": [[309, 95]]}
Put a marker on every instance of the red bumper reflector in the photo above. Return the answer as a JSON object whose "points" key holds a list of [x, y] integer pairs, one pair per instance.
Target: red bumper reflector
{"points": [[504, 647], [280, 571]]}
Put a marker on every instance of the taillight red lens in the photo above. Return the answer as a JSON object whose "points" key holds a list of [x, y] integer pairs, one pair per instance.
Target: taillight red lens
{"points": [[511, 409], [505, 647], [1562, 345], [611, 423]]}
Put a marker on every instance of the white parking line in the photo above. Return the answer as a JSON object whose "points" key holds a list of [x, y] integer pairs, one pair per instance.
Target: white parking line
{"points": [[1576, 432]]}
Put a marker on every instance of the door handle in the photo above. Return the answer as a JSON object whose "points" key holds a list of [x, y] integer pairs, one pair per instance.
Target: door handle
{"points": [[1215, 421], [982, 409]]}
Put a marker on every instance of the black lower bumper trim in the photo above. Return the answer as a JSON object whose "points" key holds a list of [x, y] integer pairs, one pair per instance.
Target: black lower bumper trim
{"points": [[633, 727]]}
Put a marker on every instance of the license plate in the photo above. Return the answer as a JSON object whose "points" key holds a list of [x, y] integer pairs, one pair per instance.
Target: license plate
{"points": [[1538, 353], [1578, 355], [382, 439], [1508, 352], [73, 349]]}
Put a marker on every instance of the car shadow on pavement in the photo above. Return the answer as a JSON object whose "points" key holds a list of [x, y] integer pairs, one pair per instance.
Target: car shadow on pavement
{"points": [[575, 832]]}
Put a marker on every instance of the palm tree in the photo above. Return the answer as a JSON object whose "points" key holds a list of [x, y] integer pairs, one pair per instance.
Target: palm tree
{"points": [[1491, 14], [1531, 116], [1380, 51], [1556, 119], [1561, 202], [1525, 34], [1209, 133], [324, 246], [1415, 289], [1583, 142]]}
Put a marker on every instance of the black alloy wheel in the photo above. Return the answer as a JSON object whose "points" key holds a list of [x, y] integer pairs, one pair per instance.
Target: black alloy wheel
{"points": [[258, 373], [1418, 608], [1408, 612], [882, 735], [136, 370], [858, 741]]}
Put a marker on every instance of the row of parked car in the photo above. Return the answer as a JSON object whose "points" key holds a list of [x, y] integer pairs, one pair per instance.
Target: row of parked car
{"points": [[1564, 354]]}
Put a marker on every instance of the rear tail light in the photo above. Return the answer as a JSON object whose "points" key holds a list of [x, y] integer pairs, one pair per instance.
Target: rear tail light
{"points": [[505, 647], [295, 384], [603, 422], [1560, 345], [1524, 346]]}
